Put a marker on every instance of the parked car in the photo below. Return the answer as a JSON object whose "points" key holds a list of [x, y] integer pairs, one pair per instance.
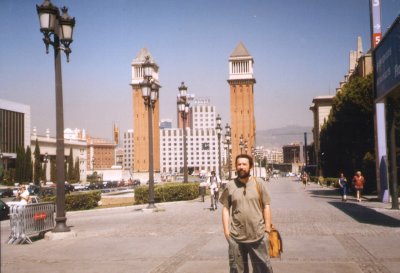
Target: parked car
{"points": [[155, 181], [107, 184], [6, 192], [93, 186], [136, 182], [47, 191], [78, 187], [34, 200], [4, 211], [33, 189], [68, 187]]}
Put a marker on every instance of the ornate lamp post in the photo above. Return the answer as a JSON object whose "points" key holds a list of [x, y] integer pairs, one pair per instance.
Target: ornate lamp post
{"points": [[218, 129], [60, 28], [241, 143], [228, 143], [1, 164], [150, 95], [45, 160], [183, 108]]}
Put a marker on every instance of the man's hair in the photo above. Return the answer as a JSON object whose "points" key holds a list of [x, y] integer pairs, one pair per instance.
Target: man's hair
{"points": [[212, 172], [245, 156]]}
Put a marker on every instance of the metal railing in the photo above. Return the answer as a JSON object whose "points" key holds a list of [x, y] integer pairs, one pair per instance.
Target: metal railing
{"points": [[29, 220]]}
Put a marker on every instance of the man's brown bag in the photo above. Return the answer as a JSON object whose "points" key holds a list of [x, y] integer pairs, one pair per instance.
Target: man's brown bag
{"points": [[275, 239], [275, 243]]}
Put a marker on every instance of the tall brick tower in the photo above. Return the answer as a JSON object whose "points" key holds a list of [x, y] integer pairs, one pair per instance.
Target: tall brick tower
{"points": [[241, 85], [140, 121]]}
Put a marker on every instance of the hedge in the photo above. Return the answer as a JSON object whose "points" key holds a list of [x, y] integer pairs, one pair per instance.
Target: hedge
{"points": [[79, 200], [167, 192], [326, 181]]}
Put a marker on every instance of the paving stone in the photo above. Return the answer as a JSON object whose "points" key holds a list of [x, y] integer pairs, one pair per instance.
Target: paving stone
{"points": [[321, 234]]}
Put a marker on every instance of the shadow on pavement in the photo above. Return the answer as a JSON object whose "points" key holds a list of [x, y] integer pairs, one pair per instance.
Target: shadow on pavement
{"points": [[332, 194], [366, 215]]}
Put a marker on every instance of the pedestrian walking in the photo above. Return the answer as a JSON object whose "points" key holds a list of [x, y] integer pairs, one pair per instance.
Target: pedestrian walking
{"points": [[358, 181], [305, 179], [245, 221], [213, 184], [343, 187], [202, 189]]}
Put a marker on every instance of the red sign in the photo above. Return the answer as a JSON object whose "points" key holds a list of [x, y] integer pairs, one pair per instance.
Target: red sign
{"points": [[39, 216], [376, 38]]}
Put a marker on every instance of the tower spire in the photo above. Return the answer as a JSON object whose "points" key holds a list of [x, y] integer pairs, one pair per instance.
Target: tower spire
{"points": [[241, 84]]}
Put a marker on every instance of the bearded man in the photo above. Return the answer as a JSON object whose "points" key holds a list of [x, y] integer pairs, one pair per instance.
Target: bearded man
{"points": [[243, 219]]}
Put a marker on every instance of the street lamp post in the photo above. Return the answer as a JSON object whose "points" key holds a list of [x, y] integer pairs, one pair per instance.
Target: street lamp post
{"points": [[60, 27], [1, 164], [228, 143], [45, 160], [150, 95], [218, 129], [183, 108]]}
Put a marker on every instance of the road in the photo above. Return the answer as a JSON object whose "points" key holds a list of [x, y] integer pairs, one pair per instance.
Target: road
{"points": [[320, 234]]}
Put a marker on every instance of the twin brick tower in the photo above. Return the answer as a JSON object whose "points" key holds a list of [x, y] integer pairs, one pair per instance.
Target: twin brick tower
{"points": [[241, 85]]}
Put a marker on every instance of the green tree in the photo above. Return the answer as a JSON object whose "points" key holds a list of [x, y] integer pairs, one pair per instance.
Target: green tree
{"points": [[20, 165], [37, 167], [28, 165], [347, 138], [53, 170], [76, 170], [70, 174]]}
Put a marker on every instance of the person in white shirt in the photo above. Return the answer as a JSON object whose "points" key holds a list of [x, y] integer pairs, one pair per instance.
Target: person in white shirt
{"points": [[213, 184], [23, 195]]}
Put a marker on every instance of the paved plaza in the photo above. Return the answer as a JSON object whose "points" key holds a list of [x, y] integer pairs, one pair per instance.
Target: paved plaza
{"points": [[321, 234]]}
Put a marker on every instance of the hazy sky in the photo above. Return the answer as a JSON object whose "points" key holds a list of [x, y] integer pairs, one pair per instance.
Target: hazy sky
{"points": [[300, 49]]}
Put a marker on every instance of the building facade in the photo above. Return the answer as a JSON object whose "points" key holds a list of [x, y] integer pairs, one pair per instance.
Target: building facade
{"points": [[202, 150], [292, 153], [140, 117], [360, 64], [15, 129], [129, 150], [100, 154], [48, 147], [321, 107], [202, 141], [241, 84], [274, 156]]}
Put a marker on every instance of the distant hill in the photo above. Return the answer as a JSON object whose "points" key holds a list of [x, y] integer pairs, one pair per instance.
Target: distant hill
{"points": [[278, 137]]}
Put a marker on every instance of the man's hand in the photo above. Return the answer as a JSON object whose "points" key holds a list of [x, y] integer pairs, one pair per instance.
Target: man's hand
{"points": [[225, 222], [227, 235]]}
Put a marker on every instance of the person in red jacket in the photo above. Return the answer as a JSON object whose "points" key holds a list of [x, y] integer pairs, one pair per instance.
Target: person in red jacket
{"points": [[358, 182]]}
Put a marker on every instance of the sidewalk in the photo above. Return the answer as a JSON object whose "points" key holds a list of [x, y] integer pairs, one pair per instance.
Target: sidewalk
{"points": [[320, 234]]}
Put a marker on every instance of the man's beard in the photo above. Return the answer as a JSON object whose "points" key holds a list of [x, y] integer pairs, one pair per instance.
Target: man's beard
{"points": [[243, 174]]}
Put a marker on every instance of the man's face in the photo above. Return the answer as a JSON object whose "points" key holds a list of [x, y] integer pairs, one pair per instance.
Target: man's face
{"points": [[243, 167]]}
